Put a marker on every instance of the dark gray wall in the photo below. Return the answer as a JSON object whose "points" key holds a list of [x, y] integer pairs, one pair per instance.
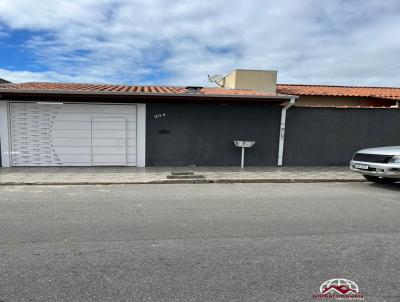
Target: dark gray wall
{"points": [[203, 134], [330, 136]]}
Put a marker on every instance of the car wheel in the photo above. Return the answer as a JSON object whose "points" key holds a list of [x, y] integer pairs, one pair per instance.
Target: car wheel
{"points": [[379, 180]]}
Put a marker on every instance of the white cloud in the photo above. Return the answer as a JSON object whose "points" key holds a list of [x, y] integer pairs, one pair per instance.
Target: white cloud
{"points": [[180, 42], [21, 76]]}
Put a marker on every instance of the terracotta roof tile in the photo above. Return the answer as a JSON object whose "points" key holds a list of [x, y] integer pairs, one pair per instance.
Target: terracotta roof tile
{"points": [[345, 91], [163, 90], [282, 90]]}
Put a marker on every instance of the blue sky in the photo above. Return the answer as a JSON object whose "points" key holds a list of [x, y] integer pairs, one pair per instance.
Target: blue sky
{"points": [[167, 42]]}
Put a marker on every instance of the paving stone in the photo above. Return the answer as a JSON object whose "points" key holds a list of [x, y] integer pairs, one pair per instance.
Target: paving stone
{"points": [[19, 175]]}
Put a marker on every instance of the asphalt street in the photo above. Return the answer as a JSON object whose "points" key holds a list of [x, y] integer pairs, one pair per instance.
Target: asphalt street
{"points": [[212, 242]]}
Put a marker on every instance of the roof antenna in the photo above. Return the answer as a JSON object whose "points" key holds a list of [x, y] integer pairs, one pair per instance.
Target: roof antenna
{"points": [[216, 78]]}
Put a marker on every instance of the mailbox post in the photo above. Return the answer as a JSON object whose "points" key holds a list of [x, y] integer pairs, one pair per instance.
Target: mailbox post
{"points": [[243, 145]]}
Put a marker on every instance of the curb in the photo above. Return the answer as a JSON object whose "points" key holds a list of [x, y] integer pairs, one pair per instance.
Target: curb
{"points": [[287, 180], [187, 181]]}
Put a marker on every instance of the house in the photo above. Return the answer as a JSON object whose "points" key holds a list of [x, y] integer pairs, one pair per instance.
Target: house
{"points": [[65, 124], [53, 124]]}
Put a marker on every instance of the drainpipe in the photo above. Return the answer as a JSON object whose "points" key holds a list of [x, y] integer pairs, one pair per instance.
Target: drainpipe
{"points": [[282, 130]]}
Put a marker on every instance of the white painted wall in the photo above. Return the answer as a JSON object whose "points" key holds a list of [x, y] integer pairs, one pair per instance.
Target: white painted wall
{"points": [[4, 134], [141, 135]]}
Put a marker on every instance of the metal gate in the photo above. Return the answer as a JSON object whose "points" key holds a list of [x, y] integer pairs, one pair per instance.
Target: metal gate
{"points": [[72, 134]]}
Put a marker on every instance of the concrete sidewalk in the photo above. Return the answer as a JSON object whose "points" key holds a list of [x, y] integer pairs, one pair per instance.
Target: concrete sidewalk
{"points": [[133, 175]]}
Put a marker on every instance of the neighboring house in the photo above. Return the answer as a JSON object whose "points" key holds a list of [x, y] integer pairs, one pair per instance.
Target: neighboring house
{"points": [[328, 96], [55, 124], [313, 95]]}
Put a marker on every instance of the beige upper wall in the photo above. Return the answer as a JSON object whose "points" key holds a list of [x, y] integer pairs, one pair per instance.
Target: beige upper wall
{"points": [[261, 80], [342, 101]]}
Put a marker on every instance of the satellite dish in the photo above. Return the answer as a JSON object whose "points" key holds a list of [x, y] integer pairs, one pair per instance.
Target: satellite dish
{"points": [[215, 78]]}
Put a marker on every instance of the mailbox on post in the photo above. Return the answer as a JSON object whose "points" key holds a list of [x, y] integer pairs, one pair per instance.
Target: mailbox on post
{"points": [[243, 145]]}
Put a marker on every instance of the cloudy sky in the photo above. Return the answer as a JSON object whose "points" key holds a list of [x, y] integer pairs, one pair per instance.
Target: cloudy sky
{"points": [[345, 42]]}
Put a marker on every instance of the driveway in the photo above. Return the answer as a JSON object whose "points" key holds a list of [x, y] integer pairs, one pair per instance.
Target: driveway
{"points": [[212, 242]]}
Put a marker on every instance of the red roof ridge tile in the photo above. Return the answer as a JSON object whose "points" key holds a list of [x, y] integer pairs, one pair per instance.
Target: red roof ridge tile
{"points": [[54, 87], [283, 90], [94, 84]]}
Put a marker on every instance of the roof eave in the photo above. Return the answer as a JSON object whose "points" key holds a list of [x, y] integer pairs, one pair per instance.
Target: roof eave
{"points": [[393, 98], [4, 92]]}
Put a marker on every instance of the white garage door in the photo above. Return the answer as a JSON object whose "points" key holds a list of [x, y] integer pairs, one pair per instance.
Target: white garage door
{"points": [[73, 134]]}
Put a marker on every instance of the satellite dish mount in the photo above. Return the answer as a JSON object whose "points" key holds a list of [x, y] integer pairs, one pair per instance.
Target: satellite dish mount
{"points": [[216, 78]]}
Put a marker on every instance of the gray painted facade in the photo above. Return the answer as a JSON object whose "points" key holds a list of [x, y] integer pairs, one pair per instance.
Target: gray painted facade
{"points": [[330, 136], [202, 134]]}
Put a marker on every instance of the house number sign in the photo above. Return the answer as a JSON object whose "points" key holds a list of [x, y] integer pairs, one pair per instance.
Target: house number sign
{"points": [[159, 115]]}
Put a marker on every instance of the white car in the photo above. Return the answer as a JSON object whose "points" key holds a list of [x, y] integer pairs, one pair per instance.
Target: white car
{"points": [[380, 165]]}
